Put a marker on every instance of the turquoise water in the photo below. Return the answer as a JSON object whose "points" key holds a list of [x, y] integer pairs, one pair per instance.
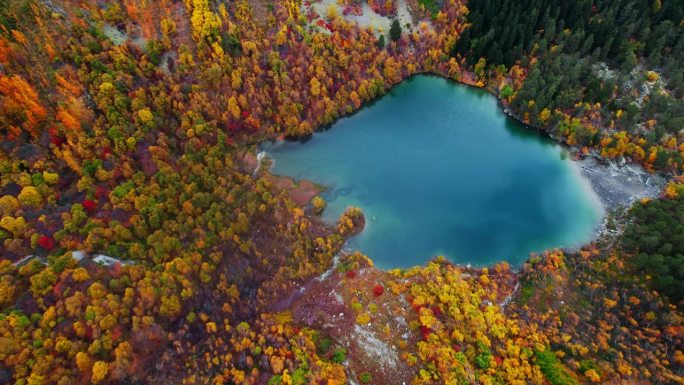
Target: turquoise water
{"points": [[439, 169]]}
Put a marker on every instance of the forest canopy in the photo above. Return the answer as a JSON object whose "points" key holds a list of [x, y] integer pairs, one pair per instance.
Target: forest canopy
{"points": [[655, 242], [143, 241]]}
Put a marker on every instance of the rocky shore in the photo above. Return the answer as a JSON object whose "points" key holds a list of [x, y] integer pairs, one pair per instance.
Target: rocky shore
{"points": [[619, 185]]}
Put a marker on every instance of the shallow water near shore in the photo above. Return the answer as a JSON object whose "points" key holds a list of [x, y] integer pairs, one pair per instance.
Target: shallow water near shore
{"points": [[439, 169]]}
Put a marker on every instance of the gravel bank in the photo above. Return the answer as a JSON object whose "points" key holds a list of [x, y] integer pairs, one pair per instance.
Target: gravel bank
{"points": [[619, 185]]}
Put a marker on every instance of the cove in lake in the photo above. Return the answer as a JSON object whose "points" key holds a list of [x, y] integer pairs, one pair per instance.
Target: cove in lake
{"points": [[439, 169]]}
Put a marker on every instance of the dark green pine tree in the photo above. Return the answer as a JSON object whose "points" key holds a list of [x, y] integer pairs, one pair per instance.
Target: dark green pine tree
{"points": [[381, 42], [395, 30]]}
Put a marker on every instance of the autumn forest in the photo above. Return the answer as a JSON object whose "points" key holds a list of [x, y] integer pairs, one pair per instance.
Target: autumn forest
{"points": [[144, 241]]}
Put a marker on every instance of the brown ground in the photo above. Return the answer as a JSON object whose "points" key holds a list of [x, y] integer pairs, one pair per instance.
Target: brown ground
{"points": [[260, 10], [301, 192], [375, 347]]}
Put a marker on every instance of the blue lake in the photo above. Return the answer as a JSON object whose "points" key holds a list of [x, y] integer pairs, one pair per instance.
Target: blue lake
{"points": [[439, 169]]}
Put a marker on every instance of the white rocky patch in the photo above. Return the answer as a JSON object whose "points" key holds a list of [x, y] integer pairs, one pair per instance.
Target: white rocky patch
{"points": [[106, 260], [260, 158], [602, 71], [508, 298], [117, 37], [327, 273], [369, 18], [619, 184], [78, 255], [384, 355], [338, 297], [25, 260]]}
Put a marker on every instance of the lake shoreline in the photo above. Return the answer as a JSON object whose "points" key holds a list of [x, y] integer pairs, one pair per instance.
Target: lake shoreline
{"points": [[617, 185], [603, 174], [300, 191]]}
